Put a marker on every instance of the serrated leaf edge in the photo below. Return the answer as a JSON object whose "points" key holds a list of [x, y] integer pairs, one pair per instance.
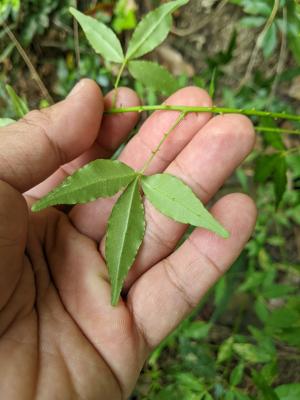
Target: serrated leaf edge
{"points": [[114, 300], [47, 198], [225, 233], [121, 54]]}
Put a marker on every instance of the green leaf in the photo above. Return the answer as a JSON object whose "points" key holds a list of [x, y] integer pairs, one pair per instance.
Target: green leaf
{"points": [[252, 22], [280, 178], [251, 353], [126, 228], [152, 30], [153, 76], [237, 374], [103, 40], [176, 200], [6, 121], [293, 29], [272, 138], [197, 330], [262, 385], [256, 7], [265, 166], [100, 178], [269, 42], [284, 318], [290, 391], [225, 350], [212, 85], [19, 104]]}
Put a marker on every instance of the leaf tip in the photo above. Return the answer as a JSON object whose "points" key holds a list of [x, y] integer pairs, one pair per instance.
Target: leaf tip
{"points": [[115, 297], [224, 234], [35, 207], [73, 11]]}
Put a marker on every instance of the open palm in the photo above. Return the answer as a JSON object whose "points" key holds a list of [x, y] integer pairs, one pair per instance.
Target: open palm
{"points": [[59, 336]]}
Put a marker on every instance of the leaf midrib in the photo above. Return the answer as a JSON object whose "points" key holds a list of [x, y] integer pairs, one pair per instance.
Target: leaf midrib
{"points": [[146, 37], [90, 184], [125, 231], [105, 45], [170, 198]]}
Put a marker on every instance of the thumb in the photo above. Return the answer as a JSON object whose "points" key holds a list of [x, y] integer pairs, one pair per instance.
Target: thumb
{"points": [[33, 148]]}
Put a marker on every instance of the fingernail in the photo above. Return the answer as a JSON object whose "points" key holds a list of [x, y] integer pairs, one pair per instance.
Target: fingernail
{"points": [[77, 88]]}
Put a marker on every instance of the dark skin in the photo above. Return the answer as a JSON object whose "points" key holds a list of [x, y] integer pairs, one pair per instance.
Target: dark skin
{"points": [[59, 336]]}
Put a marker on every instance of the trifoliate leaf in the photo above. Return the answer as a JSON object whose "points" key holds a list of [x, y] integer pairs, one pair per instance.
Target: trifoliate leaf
{"points": [[103, 40], [100, 178], [176, 200], [152, 30], [126, 228], [19, 104], [153, 76], [6, 121]]}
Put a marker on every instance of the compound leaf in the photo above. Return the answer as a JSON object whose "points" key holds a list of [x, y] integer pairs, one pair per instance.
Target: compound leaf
{"points": [[6, 121], [126, 228], [100, 178], [152, 30], [19, 104], [176, 200], [153, 76], [103, 40]]}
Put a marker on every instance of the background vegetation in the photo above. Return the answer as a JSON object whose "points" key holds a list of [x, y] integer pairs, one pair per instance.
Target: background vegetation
{"points": [[243, 341]]}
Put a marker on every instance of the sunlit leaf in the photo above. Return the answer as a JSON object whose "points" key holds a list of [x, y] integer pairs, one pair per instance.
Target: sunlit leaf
{"points": [[152, 30], [153, 76], [19, 104], [6, 121], [176, 200], [251, 353], [126, 228], [100, 178], [103, 40], [225, 350]]}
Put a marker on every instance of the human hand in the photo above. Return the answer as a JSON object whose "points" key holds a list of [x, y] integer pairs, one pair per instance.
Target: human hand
{"points": [[59, 336]]}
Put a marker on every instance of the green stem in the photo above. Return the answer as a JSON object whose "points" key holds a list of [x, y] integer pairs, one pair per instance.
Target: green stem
{"points": [[214, 110], [116, 85], [277, 130], [164, 138]]}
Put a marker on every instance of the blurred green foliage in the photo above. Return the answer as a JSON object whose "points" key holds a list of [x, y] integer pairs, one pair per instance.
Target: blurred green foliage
{"points": [[243, 341]]}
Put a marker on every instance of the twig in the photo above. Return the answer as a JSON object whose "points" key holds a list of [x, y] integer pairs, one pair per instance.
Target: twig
{"points": [[76, 40], [259, 43], [33, 71], [164, 138], [214, 110], [282, 55], [116, 85]]}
